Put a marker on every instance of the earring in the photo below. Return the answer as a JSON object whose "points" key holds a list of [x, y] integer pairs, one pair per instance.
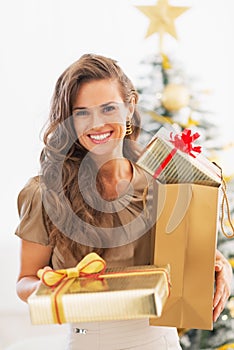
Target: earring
{"points": [[128, 128]]}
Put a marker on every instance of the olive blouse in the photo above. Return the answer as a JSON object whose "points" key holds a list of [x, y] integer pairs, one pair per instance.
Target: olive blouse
{"points": [[131, 210]]}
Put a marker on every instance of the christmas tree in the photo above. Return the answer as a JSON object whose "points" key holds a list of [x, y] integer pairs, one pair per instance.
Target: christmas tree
{"points": [[170, 96]]}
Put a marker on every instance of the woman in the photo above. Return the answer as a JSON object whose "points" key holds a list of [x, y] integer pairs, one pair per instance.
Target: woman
{"points": [[90, 196]]}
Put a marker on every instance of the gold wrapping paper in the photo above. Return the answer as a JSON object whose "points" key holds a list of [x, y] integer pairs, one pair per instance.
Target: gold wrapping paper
{"points": [[171, 165], [186, 234], [119, 294]]}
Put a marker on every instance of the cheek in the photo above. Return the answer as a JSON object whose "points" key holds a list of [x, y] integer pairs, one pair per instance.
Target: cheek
{"points": [[120, 121], [123, 124], [80, 127], [121, 130]]}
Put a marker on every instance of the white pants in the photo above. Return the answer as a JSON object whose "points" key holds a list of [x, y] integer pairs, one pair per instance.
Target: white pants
{"points": [[122, 335]]}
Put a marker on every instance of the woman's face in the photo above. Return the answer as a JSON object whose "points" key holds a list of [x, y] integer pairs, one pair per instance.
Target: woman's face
{"points": [[99, 116]]}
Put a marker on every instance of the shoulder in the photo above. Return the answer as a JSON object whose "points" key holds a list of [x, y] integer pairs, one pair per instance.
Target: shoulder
{"points": [[32, 183], [30, 190], [31, 212]]}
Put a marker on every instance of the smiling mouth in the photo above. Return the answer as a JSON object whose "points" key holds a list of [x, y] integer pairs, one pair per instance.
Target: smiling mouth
{"points": [[99, 138]]}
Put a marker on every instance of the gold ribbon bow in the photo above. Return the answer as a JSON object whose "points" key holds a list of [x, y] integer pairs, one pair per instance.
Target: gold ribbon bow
{"points": [[90, 266]]}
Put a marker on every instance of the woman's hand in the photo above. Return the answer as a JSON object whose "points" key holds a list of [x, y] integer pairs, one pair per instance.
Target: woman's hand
{"points": [[33, 257], [223, 281]]}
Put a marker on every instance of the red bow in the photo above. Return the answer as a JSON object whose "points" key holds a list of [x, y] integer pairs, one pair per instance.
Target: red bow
{"points": [[183, 142]]}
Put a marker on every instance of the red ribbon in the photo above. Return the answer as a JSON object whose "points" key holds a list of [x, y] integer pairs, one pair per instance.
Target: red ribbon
{"points": [[182, 142]]}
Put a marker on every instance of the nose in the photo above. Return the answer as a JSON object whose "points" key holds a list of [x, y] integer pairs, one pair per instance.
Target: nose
{"points": [[97, 118]]}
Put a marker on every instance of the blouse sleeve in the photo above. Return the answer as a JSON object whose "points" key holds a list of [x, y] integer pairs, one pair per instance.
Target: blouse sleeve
{"points": [[30, 208]]}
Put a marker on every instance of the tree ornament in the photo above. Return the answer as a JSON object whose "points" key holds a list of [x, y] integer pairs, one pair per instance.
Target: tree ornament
{"points": [[231, 260], [166, 64], [162, 17], [175, 97], [226, 346], [230, 306], [190, 123]]}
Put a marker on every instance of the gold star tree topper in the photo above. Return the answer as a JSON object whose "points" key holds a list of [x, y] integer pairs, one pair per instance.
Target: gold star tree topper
{"points": [[162, 17]]}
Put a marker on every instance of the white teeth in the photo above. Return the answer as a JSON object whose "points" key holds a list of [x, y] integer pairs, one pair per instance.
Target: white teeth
{"points": [[100, 136]]}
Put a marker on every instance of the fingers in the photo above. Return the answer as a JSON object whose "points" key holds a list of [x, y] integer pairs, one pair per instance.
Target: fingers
{"points": [[40, 272], [221, 296], [47, 268], [219, 290], [223, 279], [218, 266], [216, 312], [219, 304]]}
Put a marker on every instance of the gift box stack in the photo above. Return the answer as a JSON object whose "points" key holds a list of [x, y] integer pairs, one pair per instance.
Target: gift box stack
{"points": [[187, 201], [99, 294]]}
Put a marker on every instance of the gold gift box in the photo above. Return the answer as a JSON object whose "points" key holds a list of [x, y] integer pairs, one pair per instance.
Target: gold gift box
{"points": [[169, 164], [118, 294]]}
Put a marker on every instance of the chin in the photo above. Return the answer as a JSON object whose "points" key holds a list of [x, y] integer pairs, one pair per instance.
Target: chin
{"points": [[113, 149]]}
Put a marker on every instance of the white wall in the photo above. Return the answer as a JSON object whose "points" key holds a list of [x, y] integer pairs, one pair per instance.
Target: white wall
{"points": [[39, 39]]}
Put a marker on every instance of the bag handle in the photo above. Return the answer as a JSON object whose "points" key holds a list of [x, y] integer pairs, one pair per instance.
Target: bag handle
{"points": [[225, 201]]}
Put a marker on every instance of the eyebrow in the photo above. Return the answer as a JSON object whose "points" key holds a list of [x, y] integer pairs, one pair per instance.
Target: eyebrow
{"points": [[102, 105]]}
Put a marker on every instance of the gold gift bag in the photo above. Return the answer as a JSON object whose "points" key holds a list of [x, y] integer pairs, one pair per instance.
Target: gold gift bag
{"points": [[186, 236]]}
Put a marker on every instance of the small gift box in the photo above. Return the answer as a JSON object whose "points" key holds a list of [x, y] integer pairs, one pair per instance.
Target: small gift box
{"points": [[90, 292], [172, 158]]}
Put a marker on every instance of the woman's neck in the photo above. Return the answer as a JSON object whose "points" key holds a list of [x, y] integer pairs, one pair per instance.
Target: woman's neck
{"points": [[116, 169], [115, 176]]}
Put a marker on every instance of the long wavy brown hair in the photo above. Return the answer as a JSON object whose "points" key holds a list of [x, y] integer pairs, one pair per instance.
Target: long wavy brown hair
{"points": [[62, 155]]}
